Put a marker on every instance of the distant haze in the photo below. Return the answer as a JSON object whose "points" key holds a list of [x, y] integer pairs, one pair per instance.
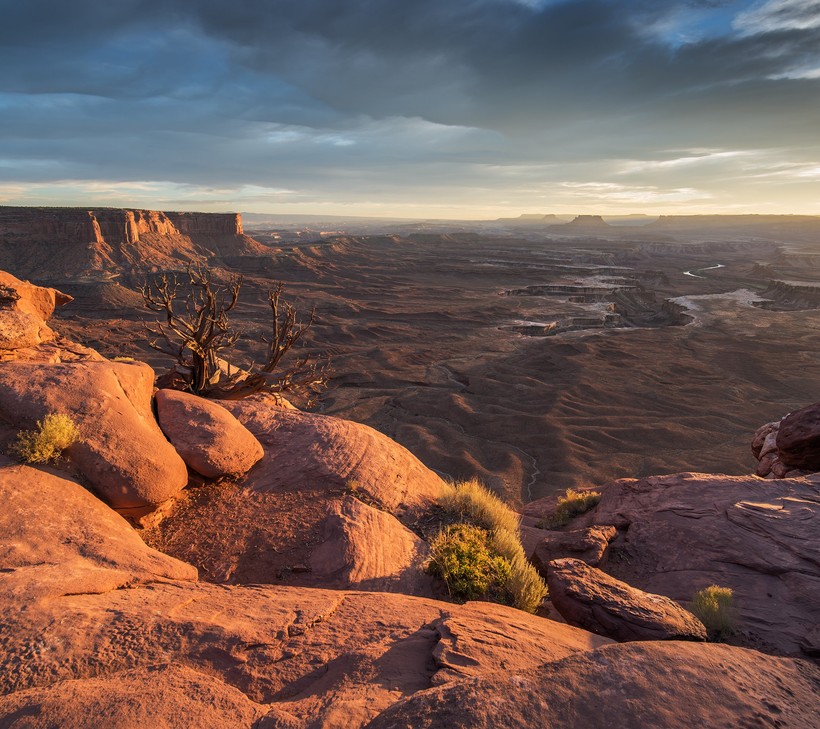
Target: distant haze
{"points": [[471, 109]]}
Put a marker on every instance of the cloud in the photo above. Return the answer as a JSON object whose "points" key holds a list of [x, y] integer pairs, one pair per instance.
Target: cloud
{"points": [[776, 15], [389, 101]]}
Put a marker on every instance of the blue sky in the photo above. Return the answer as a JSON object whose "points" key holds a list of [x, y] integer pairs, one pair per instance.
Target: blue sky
{"points": [[468, 108]]}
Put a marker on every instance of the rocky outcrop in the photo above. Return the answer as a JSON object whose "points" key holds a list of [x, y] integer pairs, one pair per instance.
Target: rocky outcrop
{"points": [[329, 504], [55, 244], [143, 641], [589, 545], [321, 452], [681, 533], [798, 438], [122, 454], [659, 684], [209, 439], [591, 599], [24, 311]]}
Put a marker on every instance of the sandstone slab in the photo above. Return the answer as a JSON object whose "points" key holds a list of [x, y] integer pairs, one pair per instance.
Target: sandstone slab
{"points": [[207, 436], [368, 549], [591, 599], [669, 685], [122, 454], [761, 538]]}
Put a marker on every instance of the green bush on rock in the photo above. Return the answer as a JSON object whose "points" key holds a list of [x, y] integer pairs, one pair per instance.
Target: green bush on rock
{"points": [[480, 556]]}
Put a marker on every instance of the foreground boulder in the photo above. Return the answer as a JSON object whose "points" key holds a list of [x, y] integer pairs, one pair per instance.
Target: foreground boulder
{"points": [[593, 600], [332, 503], [368, 549], [24, 311], [798, 439], [761, 538], [122, 454], [57, 538], [207, 437], [671, 685]]}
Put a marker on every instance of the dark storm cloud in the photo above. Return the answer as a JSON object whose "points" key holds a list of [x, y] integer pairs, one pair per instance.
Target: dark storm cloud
{"points": [[281, 93]]}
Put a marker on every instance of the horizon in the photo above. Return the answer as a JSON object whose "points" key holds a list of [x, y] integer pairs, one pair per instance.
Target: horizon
{"points": [[462, 111]]}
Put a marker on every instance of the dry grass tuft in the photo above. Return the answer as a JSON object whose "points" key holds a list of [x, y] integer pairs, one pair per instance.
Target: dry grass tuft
{"points": [[53, 435], [473, 502], [714, 607], [571, 504]]}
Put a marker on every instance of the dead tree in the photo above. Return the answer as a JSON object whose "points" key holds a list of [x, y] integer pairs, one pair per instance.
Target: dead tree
{"points": [[196, 330]]}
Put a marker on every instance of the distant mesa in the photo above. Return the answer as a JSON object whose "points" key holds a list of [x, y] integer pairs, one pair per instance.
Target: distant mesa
{"points": [[534, 220], [59, 243], [588, 221]]}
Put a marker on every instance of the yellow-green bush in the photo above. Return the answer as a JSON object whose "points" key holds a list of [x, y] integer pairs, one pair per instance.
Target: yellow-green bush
{"points": [[54, 433], [477, 508], [714, 607], [571, 504], [461, 556]]}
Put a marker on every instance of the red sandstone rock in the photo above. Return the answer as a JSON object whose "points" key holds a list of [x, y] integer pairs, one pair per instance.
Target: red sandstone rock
{"points": [[207, 437], [24, 311], [155, 697], [623, 686], [798, 438], [136, 645], [761, 538], [309, 449], [57, 538], [589, 545], [122, 453], [324, 507], [368, 549], [593, 600], [71, 242]]}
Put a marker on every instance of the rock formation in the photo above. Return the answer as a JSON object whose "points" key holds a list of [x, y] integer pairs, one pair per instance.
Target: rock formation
{"points": [[681, 533], [54, 244], [209, 439], [593, 600], [24, 311], [97, 627], [669, 684]]}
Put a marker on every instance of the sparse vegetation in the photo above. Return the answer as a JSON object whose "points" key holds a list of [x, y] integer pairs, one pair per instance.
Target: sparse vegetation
{"points": [[473, 502], [54, 433], [123, 359], [462, 556], [197, 330], [571, 504], [714, 607], [484, 524]]}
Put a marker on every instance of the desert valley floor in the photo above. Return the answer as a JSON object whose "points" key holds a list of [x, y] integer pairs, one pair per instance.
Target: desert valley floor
{"points": [[535, 360]]}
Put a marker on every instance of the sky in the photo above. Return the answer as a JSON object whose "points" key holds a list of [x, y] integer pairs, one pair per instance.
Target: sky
{"points": [[412, 108]]}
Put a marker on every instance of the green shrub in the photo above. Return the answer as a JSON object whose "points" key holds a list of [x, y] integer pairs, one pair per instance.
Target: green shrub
{"points": [[473, 502], [461, 556], [714, 607], [571, 504], [54, 433], [477, 508]]}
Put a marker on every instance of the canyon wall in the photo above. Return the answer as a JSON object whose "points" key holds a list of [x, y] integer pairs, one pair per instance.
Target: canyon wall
{"points": [[52, 243]]}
